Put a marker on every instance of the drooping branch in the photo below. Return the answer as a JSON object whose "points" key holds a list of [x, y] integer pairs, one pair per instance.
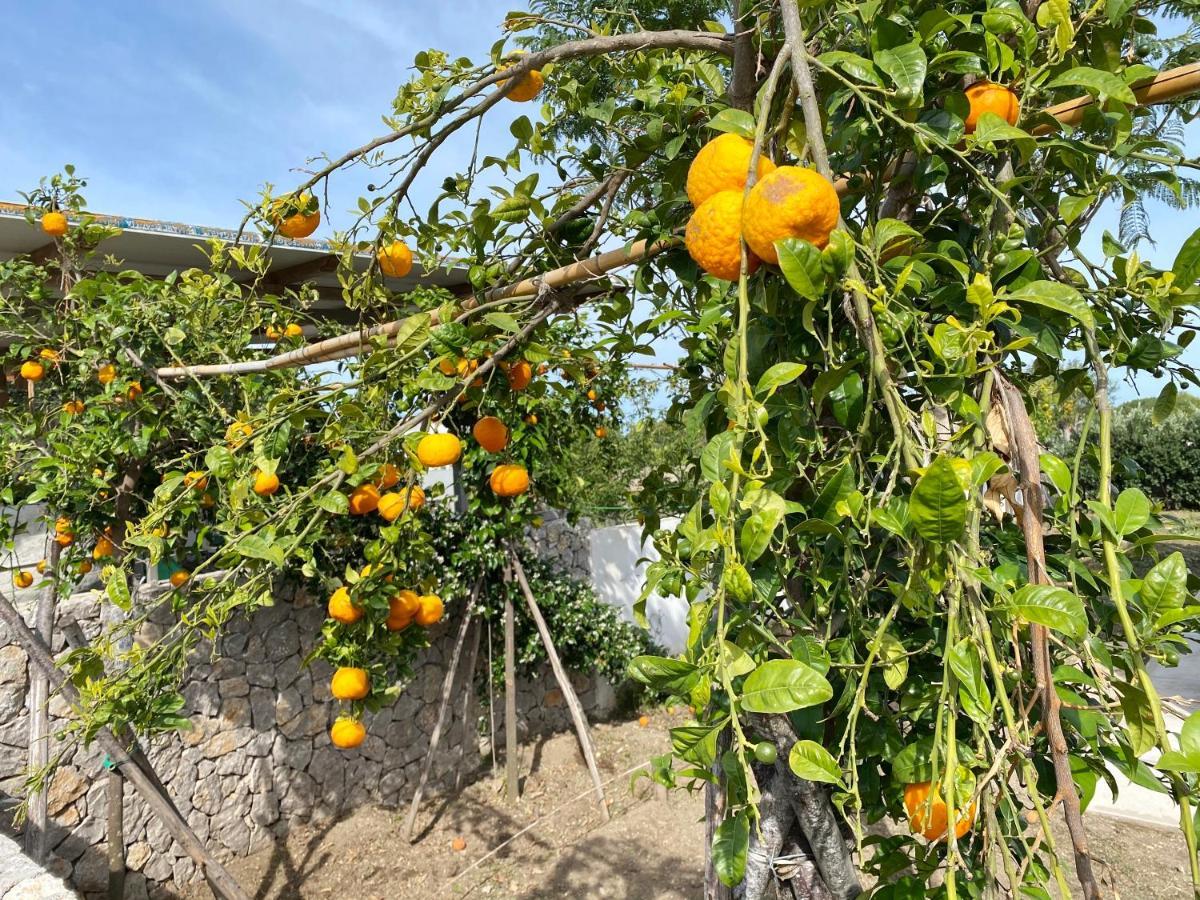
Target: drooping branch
{"points": [[1023, 441]]}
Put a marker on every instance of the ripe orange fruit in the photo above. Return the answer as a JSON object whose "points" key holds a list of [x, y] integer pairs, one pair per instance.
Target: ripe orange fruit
{"points": [[509, 480], [643, 721], [393, 505], [791, 202], [32, 371], [436, 450], [601, 432], [106, 374], [347, 734], [519, 375], [591, 395], [387, 477], [22, 580], [207, 500], [714, 236], [430, 611], [458, 845], [722, 165], [527, 87], [238, 433], [491, 434], [266, 483], [918, 804], [531, 419], [49, 354], [54, 224], [273, 333], [395, 260], [402, 607], [180, 577], [73, 407], [41, 566], [196, 479], [84, 567], [134, 390], [364, 499], [62, 523], [293, 330], [65, 538], [983, 96], [299, 225], [104, 547], [349, 684], [342, 608]]}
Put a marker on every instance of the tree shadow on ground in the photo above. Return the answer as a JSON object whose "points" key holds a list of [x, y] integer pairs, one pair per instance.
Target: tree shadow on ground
{"points": [[292, 869]]}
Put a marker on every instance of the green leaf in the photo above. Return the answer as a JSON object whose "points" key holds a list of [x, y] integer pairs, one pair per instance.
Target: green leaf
{"points": [[1096, 81], [731, 841], [812, 762], [777, 376], [914, 763], [991, 128], [1187, 262], [503, 321], [719, 449], [1164, 404], [219, 461], [664, 673], [696, 743], [335, 502], [783, 685], [735, 121], [1057, 470], [800, 263], [348, 461], [1054, 607], [737, 661], [894, 659], [1187, 757], [852, 64], [1059, 297], [256, 546], [938, 507], [1131, 511], [1165, 586], [1139, 718], [906, 65]]}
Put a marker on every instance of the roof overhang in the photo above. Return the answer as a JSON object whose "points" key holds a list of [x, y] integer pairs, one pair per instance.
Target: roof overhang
{"points": [[157, 248]]}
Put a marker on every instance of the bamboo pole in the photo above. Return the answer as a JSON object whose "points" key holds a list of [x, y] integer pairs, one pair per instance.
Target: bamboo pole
{"points": [[512, 788], [1162, 88], [447, 696], [37, 818], [219, 879], [564, 683]]}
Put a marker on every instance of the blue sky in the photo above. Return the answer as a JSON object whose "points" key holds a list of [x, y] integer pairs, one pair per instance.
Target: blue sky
{"points": [[181, 110]]}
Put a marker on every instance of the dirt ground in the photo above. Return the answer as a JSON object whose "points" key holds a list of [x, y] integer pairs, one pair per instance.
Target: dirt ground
{"points": [[652, 849]]}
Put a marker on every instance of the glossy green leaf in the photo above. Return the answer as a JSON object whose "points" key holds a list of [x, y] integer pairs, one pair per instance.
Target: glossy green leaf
{"points": [[1054, 607], [812, 762], [783, 685], [938, 506]]}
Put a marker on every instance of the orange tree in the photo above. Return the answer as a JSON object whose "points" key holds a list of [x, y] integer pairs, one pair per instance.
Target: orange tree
{"points": [[901, 608]]}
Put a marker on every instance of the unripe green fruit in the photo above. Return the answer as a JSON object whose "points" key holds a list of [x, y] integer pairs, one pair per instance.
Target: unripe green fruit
{"points": [[765, 752]]}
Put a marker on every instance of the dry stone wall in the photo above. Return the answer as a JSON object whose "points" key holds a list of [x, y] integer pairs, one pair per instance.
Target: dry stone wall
{"points": [[257, 756]]}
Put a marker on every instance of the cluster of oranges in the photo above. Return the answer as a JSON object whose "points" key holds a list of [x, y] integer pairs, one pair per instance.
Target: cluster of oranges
{"points": [[784, 201]]}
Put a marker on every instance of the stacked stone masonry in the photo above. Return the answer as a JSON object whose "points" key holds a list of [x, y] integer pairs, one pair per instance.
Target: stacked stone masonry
{"points": [[257, 756]]}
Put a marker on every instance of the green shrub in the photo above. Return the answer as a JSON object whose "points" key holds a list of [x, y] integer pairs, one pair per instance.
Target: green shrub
{"points": [[1162, 460]]}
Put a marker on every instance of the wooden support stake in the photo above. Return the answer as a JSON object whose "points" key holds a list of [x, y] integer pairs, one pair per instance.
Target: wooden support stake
{"points": [[444, 708], [219, 879], [469, 719], [511, 763], [564, 683], [37, 820], [115, 834]]}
